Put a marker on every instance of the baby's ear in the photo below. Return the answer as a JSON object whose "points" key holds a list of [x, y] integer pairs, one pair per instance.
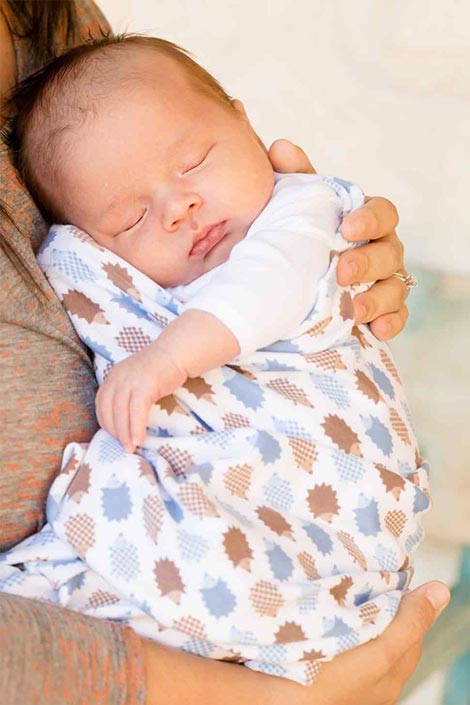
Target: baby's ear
{"points": [[240, 108]]}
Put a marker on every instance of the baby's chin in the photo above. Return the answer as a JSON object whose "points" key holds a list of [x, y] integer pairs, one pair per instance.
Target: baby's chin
{"points": [[221, 252]]}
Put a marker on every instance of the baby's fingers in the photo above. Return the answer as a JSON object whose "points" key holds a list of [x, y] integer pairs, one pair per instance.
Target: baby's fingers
{"points": [[139, 408], [104, 408], [121, 416]]}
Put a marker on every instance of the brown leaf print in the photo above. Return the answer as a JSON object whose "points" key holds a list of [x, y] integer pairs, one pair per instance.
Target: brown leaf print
{"points": [[80, 484], [71, 465], [363, 342], [237, 480], [170, 405], [168, 579], [325, 359], [194, 499], [234, 657], [395, 521], [147, 471], [390, 366], [77, 304], [84, 237], [243, 371], [289, 632], [341, 434], [353, 549], [346, 310], [305, 453], [80, 533], [399, 426], [322, 500], [232, 420], [288, 390], [320, 327], [340, 590], [153, 516], [191, 626], [199, 387], [275, 521], [367, 386], [179, 461], [132, 339], [266, 598], [238, 549], [122, 279], [393, 482], [307, 562], [101, 598], [369, 612], [312, 655]]}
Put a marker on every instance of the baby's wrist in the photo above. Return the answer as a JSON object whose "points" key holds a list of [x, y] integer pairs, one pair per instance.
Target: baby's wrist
{"points": [[168, 365]]}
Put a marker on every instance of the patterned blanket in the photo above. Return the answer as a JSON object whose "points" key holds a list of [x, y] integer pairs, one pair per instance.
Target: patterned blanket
{"points": [[270, 516]]}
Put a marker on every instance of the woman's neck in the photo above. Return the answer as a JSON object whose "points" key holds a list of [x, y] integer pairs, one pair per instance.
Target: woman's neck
{"points": [[8, 69]]}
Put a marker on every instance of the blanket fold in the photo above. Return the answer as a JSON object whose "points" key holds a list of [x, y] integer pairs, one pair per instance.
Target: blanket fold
{"points": [[269, 517]]}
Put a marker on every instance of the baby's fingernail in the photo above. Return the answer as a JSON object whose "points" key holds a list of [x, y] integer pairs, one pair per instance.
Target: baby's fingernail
{"points": [[438, 595]]}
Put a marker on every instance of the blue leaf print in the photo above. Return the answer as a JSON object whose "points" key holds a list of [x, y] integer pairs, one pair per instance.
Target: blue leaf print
{"points": [[70, 264], [268, 446], [116, 501], [382, 381], [379, 434], [127, 303], [247, 392], [320, 538]]}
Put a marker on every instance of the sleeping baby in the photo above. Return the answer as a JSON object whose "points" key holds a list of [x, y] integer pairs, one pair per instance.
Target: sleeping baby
{"points": [[255, 490]]}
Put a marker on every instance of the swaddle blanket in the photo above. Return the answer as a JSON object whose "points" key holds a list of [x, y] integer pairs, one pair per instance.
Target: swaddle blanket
{"points": [[269, 517]]}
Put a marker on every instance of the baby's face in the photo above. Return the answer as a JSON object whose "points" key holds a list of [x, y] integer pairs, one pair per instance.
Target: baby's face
{"points": [[167, 178]]}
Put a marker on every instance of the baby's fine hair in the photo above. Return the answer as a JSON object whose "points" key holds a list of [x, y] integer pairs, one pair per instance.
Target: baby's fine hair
{"points": [[47, 105]]}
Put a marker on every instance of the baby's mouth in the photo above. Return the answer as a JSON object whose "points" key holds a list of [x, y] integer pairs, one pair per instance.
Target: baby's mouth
{"points": [[209, 238]]}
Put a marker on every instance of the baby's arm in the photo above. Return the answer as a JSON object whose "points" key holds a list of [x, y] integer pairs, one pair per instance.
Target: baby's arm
{"points": [[188, 347]]}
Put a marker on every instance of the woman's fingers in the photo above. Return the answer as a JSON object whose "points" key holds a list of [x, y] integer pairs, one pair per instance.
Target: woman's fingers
{"points": [[288, 158], [384, 297], [376, 218], [389, 325], [402, 639], [377, 260]]}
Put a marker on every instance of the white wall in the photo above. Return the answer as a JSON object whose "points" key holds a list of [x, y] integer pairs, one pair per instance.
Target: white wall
{"points": [[378, 92]]}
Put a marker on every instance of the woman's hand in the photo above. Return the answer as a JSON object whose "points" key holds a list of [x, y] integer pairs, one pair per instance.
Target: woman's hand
{"points": [[383, 305], [372, 674], [375, 673]]}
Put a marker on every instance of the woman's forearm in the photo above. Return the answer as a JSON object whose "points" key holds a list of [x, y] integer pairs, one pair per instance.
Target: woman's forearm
{"points": [[177, 678], [371, 674]]}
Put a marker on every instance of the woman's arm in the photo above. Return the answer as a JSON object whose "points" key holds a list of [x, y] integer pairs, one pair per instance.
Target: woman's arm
{"points": [[53, 656], [383, 305], [372, 674]]}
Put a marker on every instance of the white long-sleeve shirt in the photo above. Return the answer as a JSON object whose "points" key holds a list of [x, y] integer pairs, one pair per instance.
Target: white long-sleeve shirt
{"points": [[269, 283]]}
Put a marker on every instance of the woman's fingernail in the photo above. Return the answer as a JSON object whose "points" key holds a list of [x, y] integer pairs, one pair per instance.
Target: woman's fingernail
{"points": [[438, 595]]}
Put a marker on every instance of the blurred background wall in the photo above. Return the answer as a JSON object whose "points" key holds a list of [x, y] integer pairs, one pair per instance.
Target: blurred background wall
{"points": [[379, 93]]}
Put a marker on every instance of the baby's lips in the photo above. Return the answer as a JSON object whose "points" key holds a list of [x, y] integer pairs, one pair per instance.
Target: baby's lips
{"points": [[213, 236]]}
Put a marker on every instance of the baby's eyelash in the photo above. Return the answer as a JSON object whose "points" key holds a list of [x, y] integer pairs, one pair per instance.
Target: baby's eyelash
{"points": [[136, 222], [198, 162]]}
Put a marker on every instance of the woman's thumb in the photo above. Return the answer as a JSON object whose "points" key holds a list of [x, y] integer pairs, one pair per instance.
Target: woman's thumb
{"points": [[424, 605]]}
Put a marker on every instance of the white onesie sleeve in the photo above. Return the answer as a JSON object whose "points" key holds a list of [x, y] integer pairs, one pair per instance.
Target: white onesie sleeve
{"points": [[268, 285]]}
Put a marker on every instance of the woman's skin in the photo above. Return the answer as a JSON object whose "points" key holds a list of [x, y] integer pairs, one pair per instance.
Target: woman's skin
{"points": [[375, 673]]}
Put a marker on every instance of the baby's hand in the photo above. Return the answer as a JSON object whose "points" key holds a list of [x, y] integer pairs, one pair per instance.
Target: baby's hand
{"points": [[124, 399]]}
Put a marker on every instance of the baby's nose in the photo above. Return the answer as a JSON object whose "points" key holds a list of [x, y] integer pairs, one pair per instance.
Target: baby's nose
{"points": [[180, 211]]}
